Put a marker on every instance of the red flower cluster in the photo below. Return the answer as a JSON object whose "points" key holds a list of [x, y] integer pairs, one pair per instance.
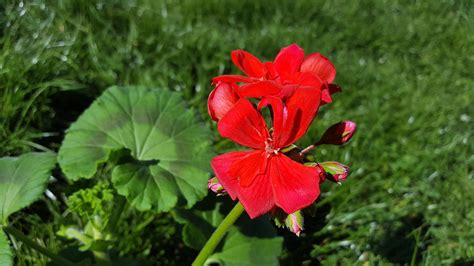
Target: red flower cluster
{"points": [[292, 87], [290, 70]]}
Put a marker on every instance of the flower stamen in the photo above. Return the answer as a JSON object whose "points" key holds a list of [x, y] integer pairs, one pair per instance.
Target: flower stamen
{"points": [[269, 148]]}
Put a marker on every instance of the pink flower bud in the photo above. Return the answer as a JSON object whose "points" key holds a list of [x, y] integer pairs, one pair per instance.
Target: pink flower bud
{"points": [[339, 133], [335, 171], [216, 187], [293, 222]]}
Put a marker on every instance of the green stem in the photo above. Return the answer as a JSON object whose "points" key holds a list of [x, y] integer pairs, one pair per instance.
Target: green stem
{"points": [[32, 244], [119, 207], [217, 236]]}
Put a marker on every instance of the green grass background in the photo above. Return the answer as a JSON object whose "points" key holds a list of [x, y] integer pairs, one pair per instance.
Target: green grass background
{"points": [[406, 69]]}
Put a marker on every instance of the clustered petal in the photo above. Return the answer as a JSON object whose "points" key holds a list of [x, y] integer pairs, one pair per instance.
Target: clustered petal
{"points": [[293, 87]]}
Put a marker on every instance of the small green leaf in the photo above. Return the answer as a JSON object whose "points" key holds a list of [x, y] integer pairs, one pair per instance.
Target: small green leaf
{"points": [[171, 151], [243, 250], [22, 180], [6, 257]]}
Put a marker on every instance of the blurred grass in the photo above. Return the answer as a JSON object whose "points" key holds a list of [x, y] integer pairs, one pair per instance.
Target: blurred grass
{"points": [[405, 67]]}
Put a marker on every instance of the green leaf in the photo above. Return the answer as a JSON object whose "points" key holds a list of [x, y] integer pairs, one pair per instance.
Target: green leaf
{"points": [[198, 224], [170, 150], [243, 250], [6, 257], [248, 242], [22, 180], [146, 186]]}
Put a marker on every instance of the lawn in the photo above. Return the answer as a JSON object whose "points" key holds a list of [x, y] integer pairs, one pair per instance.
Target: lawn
{"points": [[406, 72]]}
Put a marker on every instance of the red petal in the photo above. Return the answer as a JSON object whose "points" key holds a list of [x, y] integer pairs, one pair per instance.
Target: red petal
{"points": [[243, 166], [295, 186], [288, 61], [320, 66], [244, 125], [287, 91], [271, 72], [327, 91], [231, 79], [297, 80], [258, 198], [257, 195], [306, 79], [279, 114], [259, 89], [301, 108], [248, 63], [221, 100], [325, 95]]}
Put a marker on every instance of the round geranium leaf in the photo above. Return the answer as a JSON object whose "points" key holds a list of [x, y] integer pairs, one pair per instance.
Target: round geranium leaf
{"points": [[23, 180], [146, 186], [170, 149]]}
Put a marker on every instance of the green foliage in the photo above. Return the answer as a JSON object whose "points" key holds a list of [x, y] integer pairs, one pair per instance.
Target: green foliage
{"points": [[23, 180], [95, 201], [170, 149], [242, 250], [6, 257], [248, 242], [95, 207], [198, 224], [109, 226]]}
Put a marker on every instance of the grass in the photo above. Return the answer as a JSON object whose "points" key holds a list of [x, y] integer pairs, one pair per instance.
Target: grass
{"points": [[405, 67]]}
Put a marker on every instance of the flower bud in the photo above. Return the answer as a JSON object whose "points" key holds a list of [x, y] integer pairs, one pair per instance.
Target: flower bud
{"points": [[339, 133], [221, 100], [294, 222], [321, 172], [335, 171], [216, 187]]}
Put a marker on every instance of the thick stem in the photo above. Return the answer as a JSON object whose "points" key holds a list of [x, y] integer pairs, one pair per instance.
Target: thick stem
{"points": [[217, 236], [32, 244]]}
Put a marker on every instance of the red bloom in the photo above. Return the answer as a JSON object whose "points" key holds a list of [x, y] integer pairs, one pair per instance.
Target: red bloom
{"points": [[264, 178], [289, 71]]}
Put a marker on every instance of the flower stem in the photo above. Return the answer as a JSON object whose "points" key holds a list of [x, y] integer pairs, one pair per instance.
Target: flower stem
{"points": [[217, 236], [309, 148], [32, 244]]}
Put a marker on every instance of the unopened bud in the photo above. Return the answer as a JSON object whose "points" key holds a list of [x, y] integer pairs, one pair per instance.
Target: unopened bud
{"points": [[335, 171], [216, 187], [339, 133], [293, 222]]}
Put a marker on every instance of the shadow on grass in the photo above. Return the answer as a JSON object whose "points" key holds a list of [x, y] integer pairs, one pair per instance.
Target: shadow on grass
{"points": [[399, 239]]}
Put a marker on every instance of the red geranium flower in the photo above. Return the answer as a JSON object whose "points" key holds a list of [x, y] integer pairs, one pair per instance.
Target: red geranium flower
{"points": [[264, 177], [289, 71]]}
